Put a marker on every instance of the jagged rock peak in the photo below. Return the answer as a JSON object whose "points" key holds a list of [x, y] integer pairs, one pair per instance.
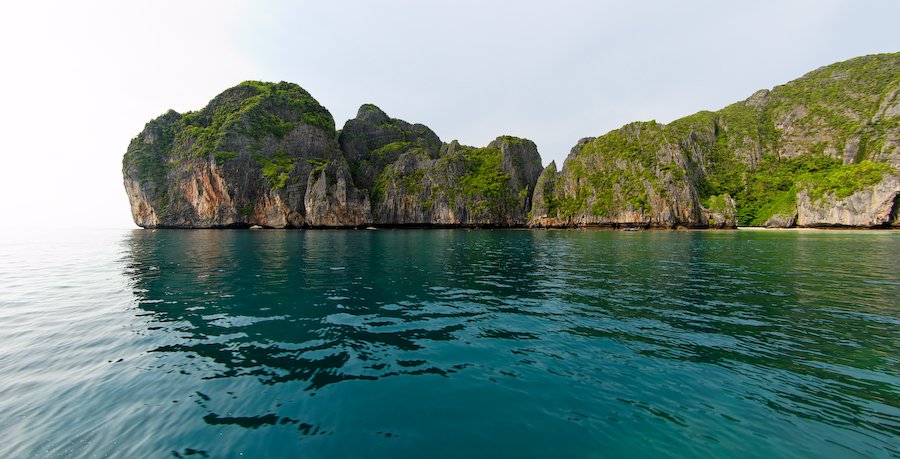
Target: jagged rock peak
{"points": [[372, 114]]}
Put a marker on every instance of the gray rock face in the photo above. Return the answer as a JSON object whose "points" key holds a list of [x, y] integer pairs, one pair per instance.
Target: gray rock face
{"points": [[265, 154], [331, 199], [781, 221], [462, 186], [543, 207], [721, 212], [250, 157], [373, 140], [519, 158], [629, 177], [869, 208]]}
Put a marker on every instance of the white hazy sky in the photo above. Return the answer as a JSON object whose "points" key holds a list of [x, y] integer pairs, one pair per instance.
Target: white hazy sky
{"points": [[82, 78]]}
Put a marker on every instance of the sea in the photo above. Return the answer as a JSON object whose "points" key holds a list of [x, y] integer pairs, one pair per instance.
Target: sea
{"points": [[449, 343]]}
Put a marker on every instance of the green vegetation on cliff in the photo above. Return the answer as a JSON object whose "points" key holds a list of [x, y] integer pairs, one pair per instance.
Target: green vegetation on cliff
{"points": [[842, 181], [615, 172], [373, 141], [482, 188], [825, 132], [252, 116], [842, 97], [484, 182], [801, 131], [487, 185], [792, 151], [253, 110], [146, 155], [276, 168]]}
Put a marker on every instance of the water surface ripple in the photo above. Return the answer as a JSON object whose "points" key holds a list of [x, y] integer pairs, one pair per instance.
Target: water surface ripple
{"points": [[449, 343]]}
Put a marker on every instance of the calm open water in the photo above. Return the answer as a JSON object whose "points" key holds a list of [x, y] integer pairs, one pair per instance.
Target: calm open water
{"points": [[449, 343]]}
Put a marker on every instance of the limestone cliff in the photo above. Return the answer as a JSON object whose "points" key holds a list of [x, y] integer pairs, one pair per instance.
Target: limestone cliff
{"points": [[870, 207], [257, 154], [635, 176], [267, 154], [415, 179], [822, 150]]}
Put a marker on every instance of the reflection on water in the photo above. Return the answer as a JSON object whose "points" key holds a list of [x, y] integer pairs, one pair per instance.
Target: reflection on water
{"points": [[324, 307], [508, 343], [801, 328]]}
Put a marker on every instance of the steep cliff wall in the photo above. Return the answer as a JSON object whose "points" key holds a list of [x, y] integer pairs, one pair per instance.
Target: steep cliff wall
{"points": [[489, 186], [258, 154], [267, 154], [822, 150], [414, 179], [635, 176]]}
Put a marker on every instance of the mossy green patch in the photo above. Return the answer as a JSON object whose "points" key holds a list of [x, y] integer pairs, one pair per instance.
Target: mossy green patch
{"points": [[512, 140], [148, 155], [251, 109], [428, 204], [484, 178], [277, 168], [393, 147], [716, 203], [635, 142], [317, 164], [568, 206], [222, 156], [841, 181], [412, 183]]}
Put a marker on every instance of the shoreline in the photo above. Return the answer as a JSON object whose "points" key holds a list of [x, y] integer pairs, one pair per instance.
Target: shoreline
{"points": [[555, 228], [821, 229]]}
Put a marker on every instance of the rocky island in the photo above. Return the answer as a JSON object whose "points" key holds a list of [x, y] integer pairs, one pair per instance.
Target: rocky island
{"points": [[819, 151]]}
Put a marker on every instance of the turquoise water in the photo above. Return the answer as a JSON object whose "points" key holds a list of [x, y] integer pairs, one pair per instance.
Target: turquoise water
{"points": [[449, 343]]}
